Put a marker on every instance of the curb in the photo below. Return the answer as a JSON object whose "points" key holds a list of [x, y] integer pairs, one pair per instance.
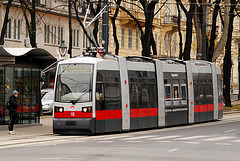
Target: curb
{"points": [[5, 127], [230, 112]]}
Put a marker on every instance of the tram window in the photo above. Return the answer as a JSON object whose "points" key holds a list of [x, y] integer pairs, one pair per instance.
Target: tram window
{"points": [[175, 94], [168, 92], [209, 94], [220, 90], [202, 94], [108, 93], [183, 92], [142, 89], [195, 86]]}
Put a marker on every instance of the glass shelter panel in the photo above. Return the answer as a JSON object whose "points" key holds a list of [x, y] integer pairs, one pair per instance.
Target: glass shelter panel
{"points": [[27, 82], [9, 87], [2, 99]]}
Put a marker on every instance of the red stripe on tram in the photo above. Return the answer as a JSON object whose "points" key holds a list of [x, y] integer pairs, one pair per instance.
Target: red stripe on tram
{"points": [[108, 114], [143, 112], [203, 108]]}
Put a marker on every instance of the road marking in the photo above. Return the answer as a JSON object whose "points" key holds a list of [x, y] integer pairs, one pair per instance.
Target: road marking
{"points": [[191, 142], [163, 141], [218, 138], [230, 131], [134, 141], [140, 137], [173, 150], [105, 141], [192, 137], [115, 137], [166, 137], [222, 144], [59, 158], [236, 141]]}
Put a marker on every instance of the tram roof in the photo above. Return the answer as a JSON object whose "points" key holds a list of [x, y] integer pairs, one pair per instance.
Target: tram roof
{"points": [[82, 59]]}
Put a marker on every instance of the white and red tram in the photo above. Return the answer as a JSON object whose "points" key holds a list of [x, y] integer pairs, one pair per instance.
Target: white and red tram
{"points": [[117, 94]]}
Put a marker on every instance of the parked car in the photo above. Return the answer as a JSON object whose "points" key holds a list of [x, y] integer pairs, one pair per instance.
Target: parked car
{"points": [[47, 100]]}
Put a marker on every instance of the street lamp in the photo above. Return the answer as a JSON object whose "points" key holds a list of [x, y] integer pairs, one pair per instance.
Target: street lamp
{"points": [[63, 48]]}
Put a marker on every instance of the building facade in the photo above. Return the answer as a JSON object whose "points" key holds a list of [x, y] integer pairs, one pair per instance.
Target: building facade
{"points": [[52, 29]]}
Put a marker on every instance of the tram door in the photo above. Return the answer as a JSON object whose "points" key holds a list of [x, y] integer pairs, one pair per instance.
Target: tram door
{"points": [[108, 101], [176, 111]]}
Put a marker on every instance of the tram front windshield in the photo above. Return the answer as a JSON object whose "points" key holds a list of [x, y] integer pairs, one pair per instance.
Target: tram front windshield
{"points": [[74, 83]]}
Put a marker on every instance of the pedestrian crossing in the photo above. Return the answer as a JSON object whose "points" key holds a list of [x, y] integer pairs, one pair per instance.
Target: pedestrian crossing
{"points": [[196, 139], [217, 139]]}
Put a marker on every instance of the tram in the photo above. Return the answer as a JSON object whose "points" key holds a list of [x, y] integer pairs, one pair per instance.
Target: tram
{"points": [[116, 94]]}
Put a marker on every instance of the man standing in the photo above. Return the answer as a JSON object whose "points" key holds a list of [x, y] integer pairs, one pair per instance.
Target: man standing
{"points": [[13, 111]]}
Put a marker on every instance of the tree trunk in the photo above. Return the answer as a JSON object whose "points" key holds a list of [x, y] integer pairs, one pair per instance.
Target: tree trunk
{"points": [[179, 32], [221, 43], [5, 22], [213, 32], [81, 24], [146, 37], [115, 29], [227, 66], [33, 25], [188, 42], [153, 44], [198, 27], [70, 28], [189, 16]]}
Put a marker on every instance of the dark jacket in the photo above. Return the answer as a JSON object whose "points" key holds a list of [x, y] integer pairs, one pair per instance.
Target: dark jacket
{"points": [[13, 104]]}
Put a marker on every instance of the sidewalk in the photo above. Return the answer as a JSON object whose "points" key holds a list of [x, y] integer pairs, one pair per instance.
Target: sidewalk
{"points": [[28, 130]]}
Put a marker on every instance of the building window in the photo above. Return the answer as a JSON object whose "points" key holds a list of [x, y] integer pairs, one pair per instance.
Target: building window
{"points": [[124, 3], [175, 43], [17, 25], [167, 43], [167, 12], [131, 5], [9, 28], [46, 33], [75, 38], [53, 34], [156, 40], [156, 10], [122, 38], [129, 38], [60, 35], [139, 4], [137, 39]]}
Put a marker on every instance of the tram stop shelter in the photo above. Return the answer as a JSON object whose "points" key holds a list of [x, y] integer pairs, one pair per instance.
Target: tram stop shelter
{"points": [[20, 69]]}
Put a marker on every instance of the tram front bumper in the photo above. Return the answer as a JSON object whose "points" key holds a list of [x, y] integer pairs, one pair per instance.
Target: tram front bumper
{"points": [[73, 126]]}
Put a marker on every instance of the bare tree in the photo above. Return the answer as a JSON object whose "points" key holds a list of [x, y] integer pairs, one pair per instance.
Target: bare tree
{"points": [[221, 43], [31, 25], [77, 5], [227, 66], [5, 22], [114, 26], [189, 15]]}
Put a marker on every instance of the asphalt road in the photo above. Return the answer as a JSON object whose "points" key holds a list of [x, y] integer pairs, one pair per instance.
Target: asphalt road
{"points": [[212, 141]]}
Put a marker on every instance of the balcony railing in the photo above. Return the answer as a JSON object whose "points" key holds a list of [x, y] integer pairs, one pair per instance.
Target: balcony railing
{"points": [[170, 19]]}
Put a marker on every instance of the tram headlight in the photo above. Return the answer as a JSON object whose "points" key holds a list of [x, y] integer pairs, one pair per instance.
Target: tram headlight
{"points": [[87, 109], [59, 109]]}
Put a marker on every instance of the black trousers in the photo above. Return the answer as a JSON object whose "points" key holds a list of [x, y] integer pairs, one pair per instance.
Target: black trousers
{"points": [[12, 120]]}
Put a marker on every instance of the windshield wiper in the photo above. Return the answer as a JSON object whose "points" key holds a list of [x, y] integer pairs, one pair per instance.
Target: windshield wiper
{"points": [[84, 91]]}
